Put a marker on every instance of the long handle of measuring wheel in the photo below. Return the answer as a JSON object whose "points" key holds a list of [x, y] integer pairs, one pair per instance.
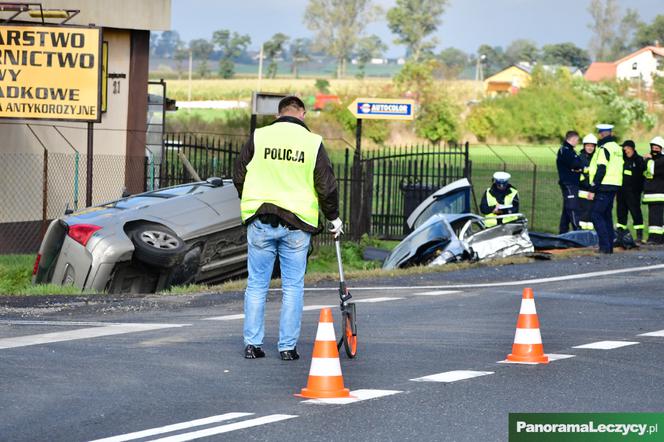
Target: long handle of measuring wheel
{"points": [[337, 246]]}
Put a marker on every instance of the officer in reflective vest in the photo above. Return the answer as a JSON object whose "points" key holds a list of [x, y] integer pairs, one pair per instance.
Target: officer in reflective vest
{"points": [[653, 193], [500, 199], [606, 172], [586, 205], [283, 177], [628, 198]]}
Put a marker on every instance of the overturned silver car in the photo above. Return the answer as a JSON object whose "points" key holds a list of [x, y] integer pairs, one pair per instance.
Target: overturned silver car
{"points": [[445, 231], [147, 242]]}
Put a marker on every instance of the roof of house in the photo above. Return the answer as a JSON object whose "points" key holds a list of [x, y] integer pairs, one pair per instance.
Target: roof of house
{"points": [[654, 49], [599, 71]]}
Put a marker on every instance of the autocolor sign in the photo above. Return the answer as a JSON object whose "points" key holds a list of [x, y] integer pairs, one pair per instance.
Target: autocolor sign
{"points": [[383, 108], [50, 72]]}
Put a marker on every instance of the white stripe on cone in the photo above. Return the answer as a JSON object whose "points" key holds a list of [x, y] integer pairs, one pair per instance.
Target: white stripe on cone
{"points": [[528, 307], [325, 367], [326, 332], [527, 336]]}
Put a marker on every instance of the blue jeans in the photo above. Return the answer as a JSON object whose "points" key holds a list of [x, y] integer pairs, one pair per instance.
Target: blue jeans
{"points": [[265, 244], [602, 217]]}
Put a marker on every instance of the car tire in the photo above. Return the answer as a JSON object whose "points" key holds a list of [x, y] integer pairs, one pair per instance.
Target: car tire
{"points": [[157, 246]]}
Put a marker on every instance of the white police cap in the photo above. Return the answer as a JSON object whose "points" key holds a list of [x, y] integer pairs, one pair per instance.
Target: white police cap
{"points": [[502, 176], [602, 127]]}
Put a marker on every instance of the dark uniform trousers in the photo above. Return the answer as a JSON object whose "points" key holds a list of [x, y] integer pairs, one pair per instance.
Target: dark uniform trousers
{"points": [[570, 213], [602, 216], [629, 200], [656, 218]]}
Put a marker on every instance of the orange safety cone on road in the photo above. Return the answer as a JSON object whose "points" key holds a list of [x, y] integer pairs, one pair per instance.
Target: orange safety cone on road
{"points": [[325, 378], [528, 345]]}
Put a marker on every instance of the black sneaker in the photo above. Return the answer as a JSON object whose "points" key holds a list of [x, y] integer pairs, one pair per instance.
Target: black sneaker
{"points": [[289, 355], [252, 352]]}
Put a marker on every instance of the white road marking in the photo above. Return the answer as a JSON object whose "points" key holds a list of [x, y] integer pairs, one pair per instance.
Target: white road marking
{"points": [[452, 376], [358, 396], [316, 307], [84, 333], [552, 357], [606, 345], [225, 318], [61, 323], [658, 334], [376, 300], [174, 427], [226, 428], [437, 293], [501, 284]]}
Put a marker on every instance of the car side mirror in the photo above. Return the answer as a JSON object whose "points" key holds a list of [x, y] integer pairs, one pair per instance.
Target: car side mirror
{"points": [[215, 181]]}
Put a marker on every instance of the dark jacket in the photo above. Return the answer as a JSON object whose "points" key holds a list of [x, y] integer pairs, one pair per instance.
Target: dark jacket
{"points": [[633, 173], [656, 184], [499, 195], [324, 181], [585, 157], [568, 164]]}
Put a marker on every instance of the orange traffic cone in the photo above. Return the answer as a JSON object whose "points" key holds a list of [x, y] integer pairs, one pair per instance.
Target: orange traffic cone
{"points": [[325, 378], [527, 340]]}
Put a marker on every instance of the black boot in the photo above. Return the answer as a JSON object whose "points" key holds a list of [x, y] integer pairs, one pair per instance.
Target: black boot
{"points": [[639, 236]]}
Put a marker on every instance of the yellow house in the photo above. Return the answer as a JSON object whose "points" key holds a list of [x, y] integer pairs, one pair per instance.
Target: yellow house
{"points": [[509, 80]]}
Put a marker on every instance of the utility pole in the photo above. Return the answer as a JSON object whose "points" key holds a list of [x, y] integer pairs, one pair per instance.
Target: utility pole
{"points": [[260, 68], [191, 62]]}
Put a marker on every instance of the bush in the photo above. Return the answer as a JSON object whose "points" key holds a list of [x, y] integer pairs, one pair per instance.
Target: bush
{"points": [[437, 121], [552, 105]]}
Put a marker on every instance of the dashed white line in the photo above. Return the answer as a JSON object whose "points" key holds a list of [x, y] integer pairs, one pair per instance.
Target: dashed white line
{"points": [[657, 334], [174, 427], [606, 345], [358, 396], [437, 293], [452, 376], [84, 333], [227, 428], [370, 300], [316, 307], [225, 318]]}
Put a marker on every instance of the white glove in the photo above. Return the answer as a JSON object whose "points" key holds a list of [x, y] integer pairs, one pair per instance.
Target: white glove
{"points": [[337, 227]]}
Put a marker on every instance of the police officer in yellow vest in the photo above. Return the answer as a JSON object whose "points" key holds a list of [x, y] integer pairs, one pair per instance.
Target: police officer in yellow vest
{"points": [[284, 177], [585, 205], [605, 173], [500, 199], [653, 193]]}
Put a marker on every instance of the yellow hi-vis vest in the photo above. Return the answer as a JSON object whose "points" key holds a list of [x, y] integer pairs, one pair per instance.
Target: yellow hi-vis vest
{"points": [[614, 165], [281, 172], [490, 219]]}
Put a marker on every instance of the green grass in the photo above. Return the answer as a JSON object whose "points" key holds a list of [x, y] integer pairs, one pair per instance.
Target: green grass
{"points": [[16, 275], [324, 258]]}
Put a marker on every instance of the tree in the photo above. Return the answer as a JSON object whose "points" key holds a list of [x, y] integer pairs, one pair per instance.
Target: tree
{"points": [[368, 48], [181, 54], [629, 26], [649, 34], [565, 54], [494, 59], [201, 50], [453, 62], [338, 25], [605, 15], [413, 21], [272, 49], [154, 38], [167, 43], [299, 53], [522, 50], [231, 46]]}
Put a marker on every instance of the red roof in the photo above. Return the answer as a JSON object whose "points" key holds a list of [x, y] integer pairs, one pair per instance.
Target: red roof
{"points": [[599, 71]]}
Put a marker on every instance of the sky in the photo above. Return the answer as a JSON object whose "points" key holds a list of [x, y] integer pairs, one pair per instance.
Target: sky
{"points": [[466, 23]]}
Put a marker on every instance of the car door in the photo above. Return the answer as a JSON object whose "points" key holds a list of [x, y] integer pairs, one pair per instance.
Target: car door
{"points": [[451, 199]]}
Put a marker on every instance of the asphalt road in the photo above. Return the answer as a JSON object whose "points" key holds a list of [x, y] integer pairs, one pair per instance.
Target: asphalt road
{"points": [[93, 370]]}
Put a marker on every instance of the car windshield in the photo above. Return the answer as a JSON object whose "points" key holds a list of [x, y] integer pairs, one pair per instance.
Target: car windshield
{"points": [[149, 198], [455, 202]]}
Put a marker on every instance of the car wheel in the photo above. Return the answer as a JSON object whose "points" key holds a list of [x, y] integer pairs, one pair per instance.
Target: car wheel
{"points": [[157, 246]]}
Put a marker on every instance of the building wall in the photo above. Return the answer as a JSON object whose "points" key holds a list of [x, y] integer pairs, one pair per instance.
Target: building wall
{"points": [[646, 67], [152, 15], [516, 77]]}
